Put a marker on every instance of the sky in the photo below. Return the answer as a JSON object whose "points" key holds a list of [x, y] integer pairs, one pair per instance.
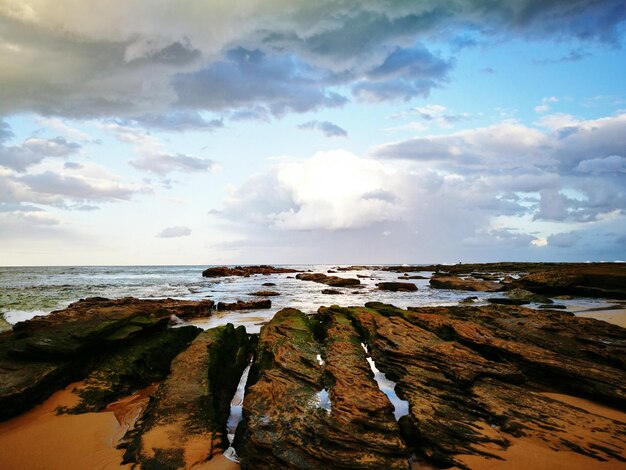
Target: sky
{"points": [[280, 131]]}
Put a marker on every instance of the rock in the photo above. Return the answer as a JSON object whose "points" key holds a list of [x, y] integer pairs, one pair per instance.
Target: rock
{"points": [[4, 325], [469, 300], [553, 306], [265, 293], [406, 276], [527, 296], [330, 271], [46, 353], [457, 283], [303, 411], [331, 291], [362, 276], [186, 423], [268, 284], [593, 280], [131, 367], [463, 379], [222, 271], [354, 268], [397, 286], [333, 281], [241, 305]]}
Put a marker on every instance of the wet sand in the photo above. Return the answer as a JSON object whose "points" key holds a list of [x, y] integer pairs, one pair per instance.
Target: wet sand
{"points": [[40, 439], [617, 316], [532, 453]]}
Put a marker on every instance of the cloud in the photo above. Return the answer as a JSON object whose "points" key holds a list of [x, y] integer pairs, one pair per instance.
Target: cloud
{"points": [[610, 164], [248, 78], [545, 104], [555, 165], [35, 150], [142, 59], [327, 128], [179, 121], [564, 239], [163, 164], [174, 232]]}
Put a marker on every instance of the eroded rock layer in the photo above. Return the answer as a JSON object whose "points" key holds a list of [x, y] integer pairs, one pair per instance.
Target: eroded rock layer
{"points": [[42, 355], [186, 423], [316, 405]]}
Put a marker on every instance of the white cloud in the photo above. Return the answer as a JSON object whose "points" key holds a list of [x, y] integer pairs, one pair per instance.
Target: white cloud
{"points": [[174, 232]]}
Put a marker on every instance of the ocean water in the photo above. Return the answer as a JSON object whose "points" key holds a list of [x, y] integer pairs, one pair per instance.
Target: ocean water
{"points": [[29, 291]]}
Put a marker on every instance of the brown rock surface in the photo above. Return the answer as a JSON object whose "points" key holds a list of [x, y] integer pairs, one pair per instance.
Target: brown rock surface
{"points": [[186, 423], [42, 355], [333, 281], [469, 388], [459, 283], [595, 280], [222, 271], [287, 422]]}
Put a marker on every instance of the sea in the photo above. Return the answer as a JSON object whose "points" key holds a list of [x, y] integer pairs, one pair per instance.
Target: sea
{"points": [[26, 292]]}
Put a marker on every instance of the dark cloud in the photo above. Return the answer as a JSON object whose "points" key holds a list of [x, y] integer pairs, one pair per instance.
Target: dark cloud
{"points": [[167, 163], [285, 59], [5, 132], [564, 239], [178, 121], [246, 78], [328, 128]]}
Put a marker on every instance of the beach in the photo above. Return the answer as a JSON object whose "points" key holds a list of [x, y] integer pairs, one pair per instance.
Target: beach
{"points": [[103, 420]]}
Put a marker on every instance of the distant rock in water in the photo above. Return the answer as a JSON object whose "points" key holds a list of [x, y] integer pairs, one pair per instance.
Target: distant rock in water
{"points": [[458, 283], [241, 305], [268, 284], [265, 293], [222, 271], [333, 281], [331, 291], [595, 280], [397, 286]]}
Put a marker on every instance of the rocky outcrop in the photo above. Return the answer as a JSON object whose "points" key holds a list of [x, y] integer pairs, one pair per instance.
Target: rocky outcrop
{"points": [[468, 283], [472, 388], [597, 280], [406, 276], [333, 281], [245, 271], [397, 286], [520, 297], [186, 423], [241, 305], [46, 353], [315, 405]]}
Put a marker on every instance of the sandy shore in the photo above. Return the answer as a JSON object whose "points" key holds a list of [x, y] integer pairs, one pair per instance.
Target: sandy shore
{"points": [[617, 315], [41, 439]]}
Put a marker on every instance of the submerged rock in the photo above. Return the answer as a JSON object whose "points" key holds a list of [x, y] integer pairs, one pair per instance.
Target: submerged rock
{"points": [[397, 286], [223, 271], [265, 293], [331, 291], [333, 281], [241, 305], [458, 283]]}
